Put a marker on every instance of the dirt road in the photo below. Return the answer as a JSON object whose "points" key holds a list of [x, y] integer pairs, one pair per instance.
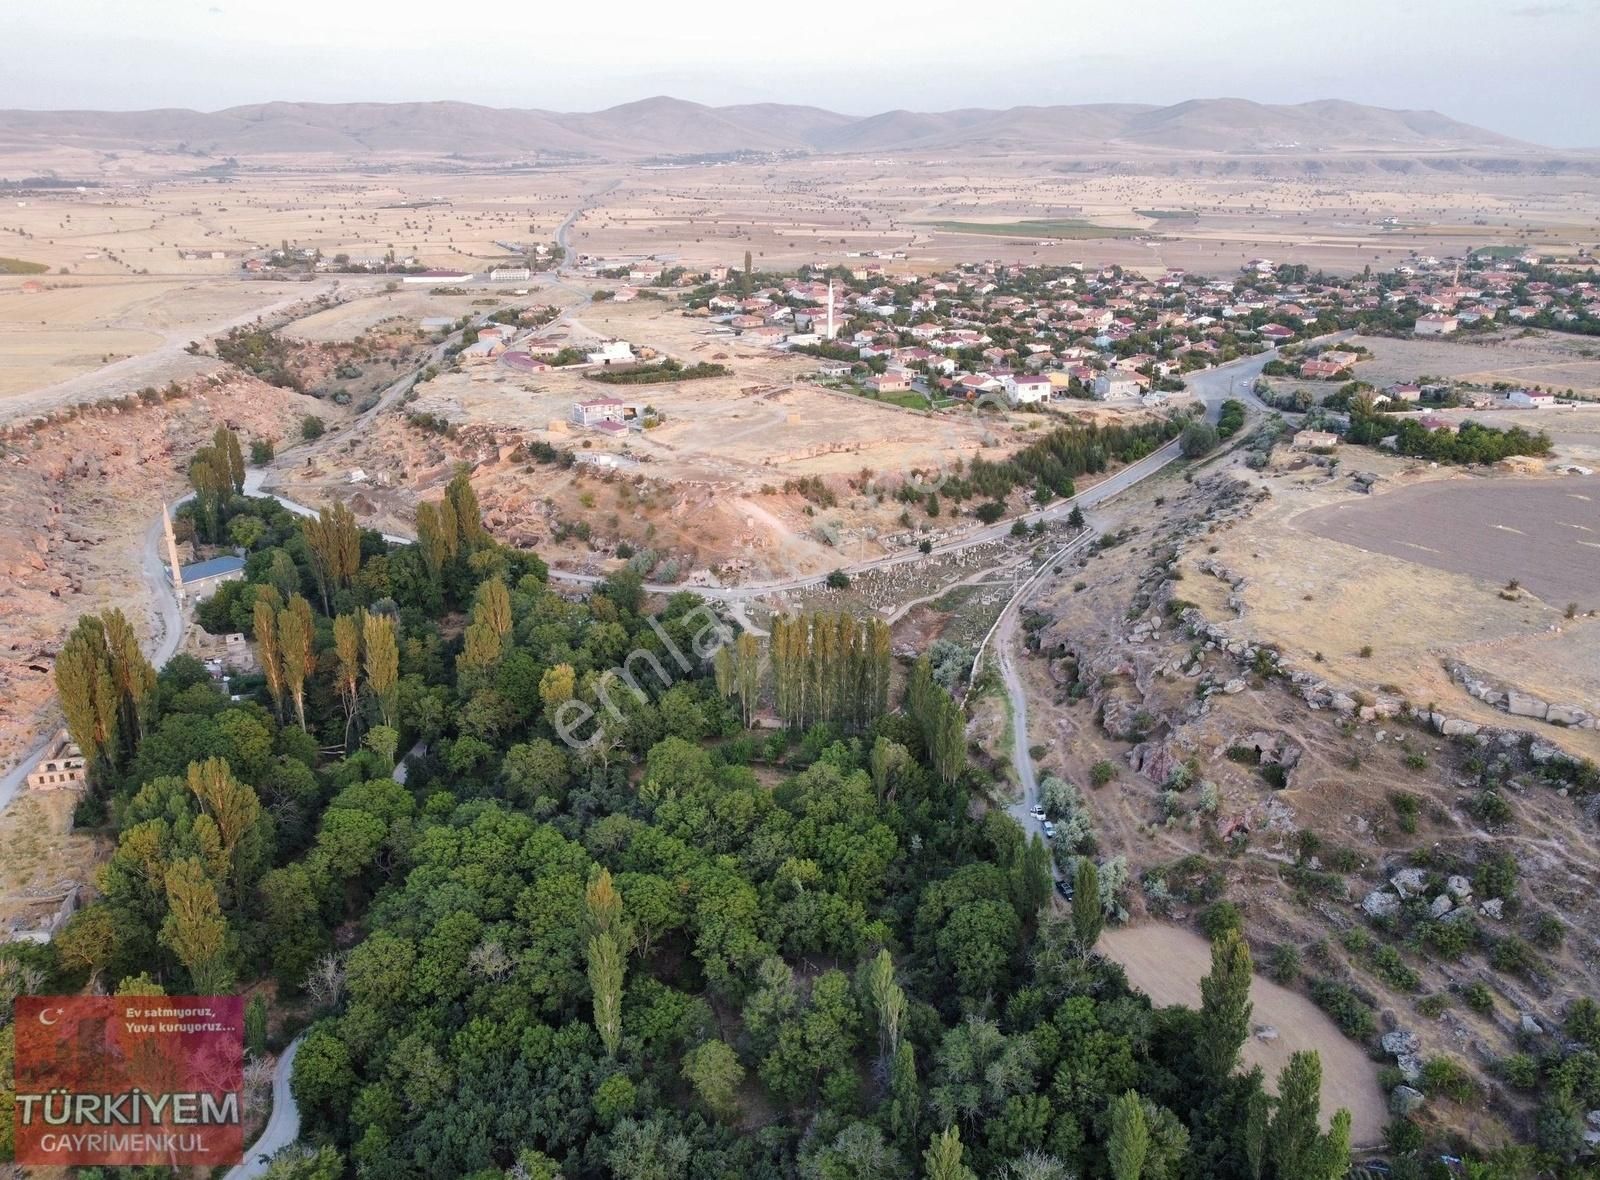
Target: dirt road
{"points": [[1167, 963]]}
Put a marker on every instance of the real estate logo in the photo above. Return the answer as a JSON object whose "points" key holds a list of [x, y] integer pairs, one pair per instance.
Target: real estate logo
{"points": [[129, 1080]]}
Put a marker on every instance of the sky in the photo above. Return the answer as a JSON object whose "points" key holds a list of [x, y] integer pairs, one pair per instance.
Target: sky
{"points": [[1524, 68]]}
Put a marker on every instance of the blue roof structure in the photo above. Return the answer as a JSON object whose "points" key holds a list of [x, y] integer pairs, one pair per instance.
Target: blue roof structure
{"points": [[216, 567]]}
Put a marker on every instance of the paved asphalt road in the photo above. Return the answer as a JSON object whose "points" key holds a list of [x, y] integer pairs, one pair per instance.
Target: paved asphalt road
{"points": [[283, 1124], [1215, 386]]}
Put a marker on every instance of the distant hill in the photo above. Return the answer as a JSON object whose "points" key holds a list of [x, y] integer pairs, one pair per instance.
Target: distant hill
{"points": [[669, 127]]}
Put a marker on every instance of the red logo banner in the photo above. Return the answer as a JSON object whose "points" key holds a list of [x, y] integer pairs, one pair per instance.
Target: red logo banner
{"points": [[129, 1080]]}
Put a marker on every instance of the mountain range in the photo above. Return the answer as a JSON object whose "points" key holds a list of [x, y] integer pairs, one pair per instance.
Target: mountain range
{"points": [[669, 127]]}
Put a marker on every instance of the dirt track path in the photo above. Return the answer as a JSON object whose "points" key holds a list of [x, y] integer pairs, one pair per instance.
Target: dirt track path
{"points": [[1167, 963]]}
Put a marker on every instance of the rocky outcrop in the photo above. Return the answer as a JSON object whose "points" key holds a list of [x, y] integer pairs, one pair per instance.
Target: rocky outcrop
{"points": [[1521, 704]]}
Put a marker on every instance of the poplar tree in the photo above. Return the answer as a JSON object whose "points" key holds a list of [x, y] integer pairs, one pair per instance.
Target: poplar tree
{"points": [[464, 504], [233, 806], [194, 928], [747, 674], [225, 443], [435, 542], [296, 634], [905, 1097], [269, 654], [607, 954], [382, 659], [106, 686], [334, 543], [347, 648], [888, 1002], [1296, 1146], [1224, 1006], [1088, 915], [1130, 1137], [942, 1160]]}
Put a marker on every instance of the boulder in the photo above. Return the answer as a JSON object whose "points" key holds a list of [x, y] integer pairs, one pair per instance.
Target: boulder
{"points": [[1380, 904], [1266, 1032], [1543, 752], [1409, 881], [1404, 1100], [1441, 905], [1401, 1042], [1565, 715], [1460, 888], [1493, 908], [1529, 1026], [1522, 705], [1233, 687], [1453, 727]]}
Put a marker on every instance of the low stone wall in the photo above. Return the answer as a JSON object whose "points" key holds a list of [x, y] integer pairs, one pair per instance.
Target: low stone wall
{"points": [[1520, 704]]}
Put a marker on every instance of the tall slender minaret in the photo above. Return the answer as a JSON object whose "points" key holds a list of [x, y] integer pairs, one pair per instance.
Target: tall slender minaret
{"points": [[830, 309], [172, 552]]}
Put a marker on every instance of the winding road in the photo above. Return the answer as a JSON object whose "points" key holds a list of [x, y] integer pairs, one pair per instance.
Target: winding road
{"points": [[283, 1124]]}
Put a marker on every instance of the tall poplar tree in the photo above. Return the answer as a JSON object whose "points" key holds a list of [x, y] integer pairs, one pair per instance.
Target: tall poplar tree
{"points": [[1224, 1006]]}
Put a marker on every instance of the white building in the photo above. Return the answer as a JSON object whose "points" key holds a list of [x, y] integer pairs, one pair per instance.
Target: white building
{"points": [[510, 274], [612, 352], [1530, 399], [598, 410], [1027, 389], [1114, 384], [1435, 324]]}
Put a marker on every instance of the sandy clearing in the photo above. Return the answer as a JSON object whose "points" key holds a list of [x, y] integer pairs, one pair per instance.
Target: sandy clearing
{"points": [[1167, 963]]}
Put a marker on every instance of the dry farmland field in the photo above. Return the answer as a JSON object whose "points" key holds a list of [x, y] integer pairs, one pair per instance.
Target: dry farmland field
{"points": [[1543, 533]]}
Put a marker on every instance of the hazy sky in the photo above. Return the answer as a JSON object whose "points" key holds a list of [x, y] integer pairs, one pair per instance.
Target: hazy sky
{"points": [[1522, 67]]}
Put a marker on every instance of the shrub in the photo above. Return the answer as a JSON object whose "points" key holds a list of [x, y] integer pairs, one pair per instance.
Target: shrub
{"points": [[1198, 439], [1101, 773], [1394, 970], [1478, 997], [1220, 917], [1490, 809], [1366, 651], [261, 451], [838, 580], [1406, 808], [1520, 1070], [1447, 1077], [1513, 956], [1548, 932], [311, 427], [1497, 876], [1284, 963], [1349, 1011]]}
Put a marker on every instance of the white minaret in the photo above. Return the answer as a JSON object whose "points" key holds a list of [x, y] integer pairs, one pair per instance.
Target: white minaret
{"points": [[830, 309], [172, 553]]}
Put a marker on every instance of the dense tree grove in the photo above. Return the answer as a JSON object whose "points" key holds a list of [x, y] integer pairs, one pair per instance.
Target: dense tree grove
{"points": [[600, 928], [1472, 443]]}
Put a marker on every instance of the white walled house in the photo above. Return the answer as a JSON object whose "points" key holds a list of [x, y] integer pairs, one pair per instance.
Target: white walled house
{"points": [[1530, 399], [1027, 390]]}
